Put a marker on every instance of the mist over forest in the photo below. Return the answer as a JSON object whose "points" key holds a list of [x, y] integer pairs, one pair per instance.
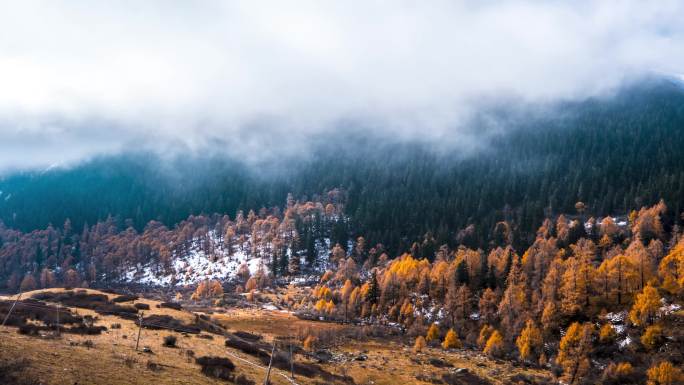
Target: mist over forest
{"points": [[614, 153]]}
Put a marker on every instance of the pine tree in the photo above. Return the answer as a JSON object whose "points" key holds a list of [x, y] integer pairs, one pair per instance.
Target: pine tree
{"points": [[373, 290], [462, 276], [293, 266]]}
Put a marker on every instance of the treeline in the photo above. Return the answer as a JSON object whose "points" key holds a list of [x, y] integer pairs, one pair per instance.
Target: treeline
{"points": [[615, 154], [599, 302], [101, 253]]}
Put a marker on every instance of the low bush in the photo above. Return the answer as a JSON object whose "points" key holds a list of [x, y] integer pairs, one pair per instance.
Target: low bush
{"points": [[125, 298], [87, 330], [142, 306], [157, 321], [217, 367], [171, 305], [170, 341], [248, 336], [242, 380], [13, 371]]}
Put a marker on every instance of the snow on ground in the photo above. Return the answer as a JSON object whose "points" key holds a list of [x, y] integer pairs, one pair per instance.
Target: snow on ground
{"points": [[625, 342], [617, 318], [667, 309], [197, 265]]}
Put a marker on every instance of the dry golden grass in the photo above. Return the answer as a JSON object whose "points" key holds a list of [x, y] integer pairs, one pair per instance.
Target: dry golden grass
{"points": [[389, 361], [113, 359], [56, 362]]}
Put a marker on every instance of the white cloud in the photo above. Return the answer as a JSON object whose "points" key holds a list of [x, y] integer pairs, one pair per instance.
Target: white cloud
{"points": [[79, 78]]}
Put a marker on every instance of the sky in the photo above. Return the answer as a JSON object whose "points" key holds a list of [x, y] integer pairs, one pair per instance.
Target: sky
{"points": [[82, 78]]}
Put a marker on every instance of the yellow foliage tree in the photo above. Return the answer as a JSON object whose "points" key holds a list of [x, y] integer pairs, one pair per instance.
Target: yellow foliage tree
{"points": [[622, 277], [215, 289], [408, 268], [645, 306], [251, 284], [624, 369], [529, 341], [330, 307], [574, 350], [419, 345], [671, 269], [617, 373], [495, 344], [432, 333], [607, 334], [326, 276], [451, 340], [485, 332], [665, 373], [652, 337], [320, 305], [310, 342]]}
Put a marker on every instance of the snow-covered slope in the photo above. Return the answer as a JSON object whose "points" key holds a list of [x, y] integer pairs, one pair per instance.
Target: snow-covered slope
{"points": [[197, 265]]}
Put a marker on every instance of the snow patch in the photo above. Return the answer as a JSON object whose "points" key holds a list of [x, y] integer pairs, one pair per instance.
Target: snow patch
{"points": [[625, 342]]}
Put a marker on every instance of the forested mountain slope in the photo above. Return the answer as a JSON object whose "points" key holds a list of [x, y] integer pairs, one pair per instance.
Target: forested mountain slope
{"points": [[614, 154]]}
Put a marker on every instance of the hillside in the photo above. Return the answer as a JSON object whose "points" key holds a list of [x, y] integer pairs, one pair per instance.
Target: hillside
{"points": [[111, 358], [615, 154]]}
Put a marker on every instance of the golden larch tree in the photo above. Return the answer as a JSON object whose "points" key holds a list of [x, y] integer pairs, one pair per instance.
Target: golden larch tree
{"points": [[451, 341], [645, 306], [574, 350], [529, 341]]}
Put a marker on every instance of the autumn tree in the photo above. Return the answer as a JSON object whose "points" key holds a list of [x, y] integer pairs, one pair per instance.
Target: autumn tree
{"points": [[620, 373], [574, 350], [664, 373], [647, 224], [373, 292], [433, 333], [28, 283], [419, 345], [485, 332], [645, 306], [72, 278], [488, 306], [652, 337], [47, 278], [529, 342], [671, 269], [310, 342], [345, 294], [607, 334], [643, 261], [513, 303], [495, 345], [578, 278], [451, 341], [622, 277]]}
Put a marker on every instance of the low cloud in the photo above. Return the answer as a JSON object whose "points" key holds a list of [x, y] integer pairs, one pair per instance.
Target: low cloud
{"points": [[79, 79]]}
